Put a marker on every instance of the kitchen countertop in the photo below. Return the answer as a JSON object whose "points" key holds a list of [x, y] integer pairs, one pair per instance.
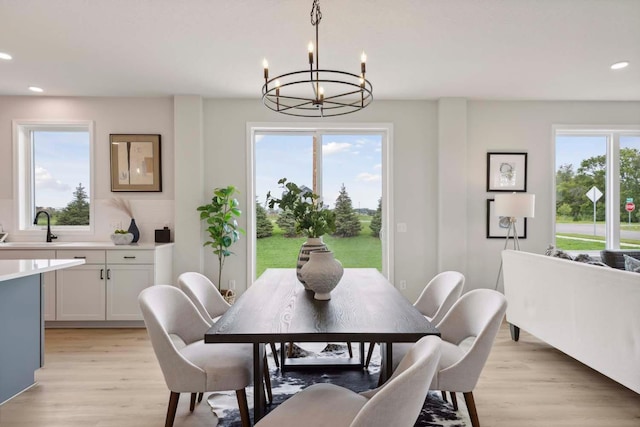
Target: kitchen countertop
{"points": [[15, 268], [79, 245]]}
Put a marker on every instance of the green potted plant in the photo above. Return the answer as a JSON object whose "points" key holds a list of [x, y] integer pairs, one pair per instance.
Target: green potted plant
{"points": [[311, 217], [221, 218]]}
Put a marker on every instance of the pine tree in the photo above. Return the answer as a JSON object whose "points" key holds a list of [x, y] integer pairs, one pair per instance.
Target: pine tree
{"points": [[376, 221], [347, 221], [77, 211], [264, 227], [287, 223]]}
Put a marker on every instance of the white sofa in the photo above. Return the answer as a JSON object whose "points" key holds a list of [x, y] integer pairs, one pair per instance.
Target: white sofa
{"points": [[589, 312]]}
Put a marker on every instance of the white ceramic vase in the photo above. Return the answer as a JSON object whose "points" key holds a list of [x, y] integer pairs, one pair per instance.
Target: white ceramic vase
{"points": [[322, 273], [312, 244]]}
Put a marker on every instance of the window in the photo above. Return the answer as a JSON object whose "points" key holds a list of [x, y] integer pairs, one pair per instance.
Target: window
{"points": [[342, 164], [54, 170], [597, 177]]}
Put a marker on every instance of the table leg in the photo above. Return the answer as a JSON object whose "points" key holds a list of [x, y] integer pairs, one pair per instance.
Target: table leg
{"points": [[362, 354], [259, 397], [386, 365]]}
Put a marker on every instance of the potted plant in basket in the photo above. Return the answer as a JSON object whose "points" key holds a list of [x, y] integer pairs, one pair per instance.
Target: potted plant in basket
{"points": [[220, 216], [311, 217]]}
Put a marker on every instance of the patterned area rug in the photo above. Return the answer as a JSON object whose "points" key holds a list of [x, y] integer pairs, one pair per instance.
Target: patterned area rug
{"points": [[435, 413]]}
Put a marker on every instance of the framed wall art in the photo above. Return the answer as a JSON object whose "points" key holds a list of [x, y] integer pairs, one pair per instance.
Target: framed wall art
{"points": [[506, 171], [135, 162], [497, 226]]}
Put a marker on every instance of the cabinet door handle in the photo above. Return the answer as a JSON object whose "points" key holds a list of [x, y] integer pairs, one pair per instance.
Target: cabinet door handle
{"points": [[102, 274], [129, 257], [80, 257], [108, 274]]}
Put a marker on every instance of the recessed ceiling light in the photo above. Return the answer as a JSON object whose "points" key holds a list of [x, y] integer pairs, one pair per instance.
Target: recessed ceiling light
{"points": [[35, 89], [5, 56], [620, 65]]}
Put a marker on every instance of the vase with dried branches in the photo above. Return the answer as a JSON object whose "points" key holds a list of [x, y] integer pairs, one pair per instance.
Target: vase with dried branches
{"points": [[125, 207]]}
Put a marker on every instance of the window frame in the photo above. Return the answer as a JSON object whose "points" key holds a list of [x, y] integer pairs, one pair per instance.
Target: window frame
{"points": [[386, 129], [613, 133], [23, 166]]}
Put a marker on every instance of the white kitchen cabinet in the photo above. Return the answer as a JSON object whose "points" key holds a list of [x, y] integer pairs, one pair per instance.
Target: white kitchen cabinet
{"points": [[48, 279], [124, 284], [105, 288], [80, 293]]}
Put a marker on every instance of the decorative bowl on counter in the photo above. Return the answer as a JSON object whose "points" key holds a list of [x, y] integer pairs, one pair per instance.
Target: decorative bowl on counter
{"points": [[122, 239]]}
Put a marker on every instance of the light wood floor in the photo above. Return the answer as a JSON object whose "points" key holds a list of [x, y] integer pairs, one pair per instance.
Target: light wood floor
{"points": [[109, 378]]}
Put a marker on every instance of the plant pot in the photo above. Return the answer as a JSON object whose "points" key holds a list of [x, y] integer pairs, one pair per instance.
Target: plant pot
{"points": [[312, 244], [121, 239], [322, 273]]}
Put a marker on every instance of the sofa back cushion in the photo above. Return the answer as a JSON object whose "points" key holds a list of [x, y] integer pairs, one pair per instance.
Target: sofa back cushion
{"points": [[615, 257]]}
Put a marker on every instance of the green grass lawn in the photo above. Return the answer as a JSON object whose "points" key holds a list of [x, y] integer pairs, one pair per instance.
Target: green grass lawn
{"points": [[359, 251], [565, 241]]}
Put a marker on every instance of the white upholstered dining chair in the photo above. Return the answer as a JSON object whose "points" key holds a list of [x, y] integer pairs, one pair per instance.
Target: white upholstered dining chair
{"points": [[436, 299], [211, 305], [468, 331], [188, 365], [396, 403]]}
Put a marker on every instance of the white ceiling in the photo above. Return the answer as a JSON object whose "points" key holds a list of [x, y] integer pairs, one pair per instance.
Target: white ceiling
{"points": [[417, 49]]}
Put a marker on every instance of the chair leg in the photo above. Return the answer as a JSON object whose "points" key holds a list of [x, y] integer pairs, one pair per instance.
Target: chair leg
{"points": [[454, 400], [350, 350], [471, 407], [444, 395], [171, 410], [192, 405], [369, 354], [200, 396], [244, 407], [267, 380], [274, 352]]}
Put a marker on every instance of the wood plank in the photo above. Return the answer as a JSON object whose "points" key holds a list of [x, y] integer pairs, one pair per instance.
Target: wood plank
{"points": [[110, 378]]}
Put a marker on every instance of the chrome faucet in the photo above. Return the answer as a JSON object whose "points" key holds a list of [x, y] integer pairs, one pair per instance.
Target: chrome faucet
{"points": [[50, 235]]}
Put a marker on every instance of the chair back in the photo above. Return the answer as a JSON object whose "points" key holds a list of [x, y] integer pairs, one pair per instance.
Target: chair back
{"points": [[173, 322], [472, 323], [439, 295], [399, 401], [204, 295]]}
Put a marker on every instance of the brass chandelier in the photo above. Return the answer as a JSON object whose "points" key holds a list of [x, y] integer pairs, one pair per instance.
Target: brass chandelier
{"points": [[345, 92]]}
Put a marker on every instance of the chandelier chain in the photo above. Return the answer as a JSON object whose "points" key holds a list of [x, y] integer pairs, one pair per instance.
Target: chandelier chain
{"points": [[316, 15]]}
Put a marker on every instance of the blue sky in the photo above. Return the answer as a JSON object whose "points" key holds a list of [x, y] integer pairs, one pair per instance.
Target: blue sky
{"points": [[355, 160], [62, 161], [574, 149]]}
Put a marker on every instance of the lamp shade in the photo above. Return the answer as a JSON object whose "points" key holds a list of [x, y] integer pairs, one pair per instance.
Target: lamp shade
{"points": [[517, 205]]}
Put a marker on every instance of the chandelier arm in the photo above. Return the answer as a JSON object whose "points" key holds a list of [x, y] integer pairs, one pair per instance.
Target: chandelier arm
{"points": [[284, 107], [297, 98]]}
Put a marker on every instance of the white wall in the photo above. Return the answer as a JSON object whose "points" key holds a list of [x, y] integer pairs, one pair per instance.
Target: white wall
{"points": [[522, 126], [419, 150], [414, 183], [110, 115]]}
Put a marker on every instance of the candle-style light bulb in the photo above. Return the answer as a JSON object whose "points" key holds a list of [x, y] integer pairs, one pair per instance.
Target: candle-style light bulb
{"points": [[363, 57], [277, 83], [321, 92], [265, 65], [310, 48], [363, 62]]}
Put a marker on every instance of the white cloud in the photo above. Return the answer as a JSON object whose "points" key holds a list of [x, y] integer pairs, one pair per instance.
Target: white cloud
{"points": [[377, 167], [368, 177], [46, 181], [335, 147]]}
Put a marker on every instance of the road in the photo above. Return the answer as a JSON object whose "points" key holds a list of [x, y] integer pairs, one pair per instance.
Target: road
{"points": [[587, 229]]}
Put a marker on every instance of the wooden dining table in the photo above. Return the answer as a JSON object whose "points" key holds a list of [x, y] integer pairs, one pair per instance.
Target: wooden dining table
{"points": [[364, 307]]}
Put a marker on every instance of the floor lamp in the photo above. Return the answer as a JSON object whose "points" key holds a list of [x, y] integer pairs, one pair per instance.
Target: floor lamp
{"points": [[511, 207]]}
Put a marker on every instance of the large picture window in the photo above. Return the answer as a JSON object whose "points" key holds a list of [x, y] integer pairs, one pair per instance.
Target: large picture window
{"points": [[347, 168], [597, 183], [53, 165]]}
